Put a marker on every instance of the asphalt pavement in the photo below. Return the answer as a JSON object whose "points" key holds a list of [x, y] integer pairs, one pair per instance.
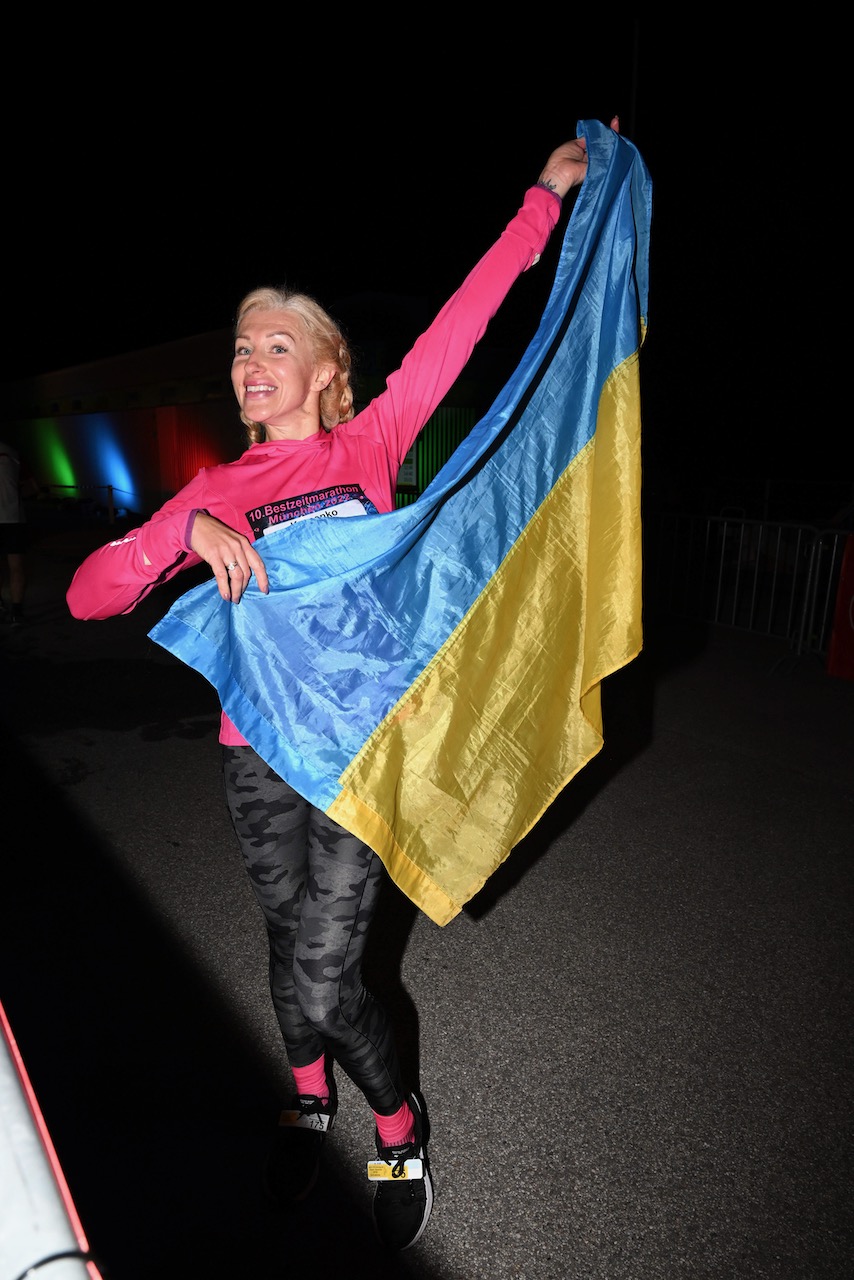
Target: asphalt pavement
{"points": [[635, 1044]]}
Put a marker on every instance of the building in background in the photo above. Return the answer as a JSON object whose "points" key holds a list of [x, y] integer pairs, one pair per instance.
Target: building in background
{"points": [[113, 439]]}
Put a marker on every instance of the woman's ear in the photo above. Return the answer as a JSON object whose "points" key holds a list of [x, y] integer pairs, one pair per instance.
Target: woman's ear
{"points": [[323, 377]]}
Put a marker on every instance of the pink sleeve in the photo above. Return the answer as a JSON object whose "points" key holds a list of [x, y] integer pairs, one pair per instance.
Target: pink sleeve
{"points": [[116, 577], [438, 357]]}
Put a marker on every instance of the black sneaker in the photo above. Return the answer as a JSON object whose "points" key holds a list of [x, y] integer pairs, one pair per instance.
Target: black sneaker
{"points": [[403, 1194], [293, 1162]]}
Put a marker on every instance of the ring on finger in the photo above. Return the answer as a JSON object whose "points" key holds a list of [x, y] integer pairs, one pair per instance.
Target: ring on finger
{"points": [[235, 564]]}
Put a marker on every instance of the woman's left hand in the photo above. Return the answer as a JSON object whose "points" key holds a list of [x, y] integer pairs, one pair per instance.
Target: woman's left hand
{"points": [[566, 167]]}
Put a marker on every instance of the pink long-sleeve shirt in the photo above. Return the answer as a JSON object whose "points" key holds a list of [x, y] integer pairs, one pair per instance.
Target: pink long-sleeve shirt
{"points": [[351, 470]]}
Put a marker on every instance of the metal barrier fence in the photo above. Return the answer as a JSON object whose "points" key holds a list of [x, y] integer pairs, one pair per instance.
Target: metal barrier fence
{"points": [[81, 493], [772, 578]]}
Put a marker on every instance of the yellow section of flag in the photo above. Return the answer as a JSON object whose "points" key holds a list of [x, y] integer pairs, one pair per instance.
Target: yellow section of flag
{"points": [[509, 709]]}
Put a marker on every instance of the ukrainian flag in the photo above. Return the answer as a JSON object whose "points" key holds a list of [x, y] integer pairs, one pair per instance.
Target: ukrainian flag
{"points": [[431, 677]]}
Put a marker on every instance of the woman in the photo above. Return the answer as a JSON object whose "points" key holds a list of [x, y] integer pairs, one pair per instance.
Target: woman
{"points": [[317, 885]]}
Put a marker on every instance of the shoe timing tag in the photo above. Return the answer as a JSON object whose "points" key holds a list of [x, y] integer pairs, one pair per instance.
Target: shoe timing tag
{"points": [[380, 1170], [298, 1120]]}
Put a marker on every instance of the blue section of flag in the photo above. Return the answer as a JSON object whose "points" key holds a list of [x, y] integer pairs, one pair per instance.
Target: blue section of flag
{"points": [[357, 609]]}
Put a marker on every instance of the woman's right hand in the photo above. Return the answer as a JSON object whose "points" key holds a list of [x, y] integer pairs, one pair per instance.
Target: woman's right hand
{"points": [[230, 555]]}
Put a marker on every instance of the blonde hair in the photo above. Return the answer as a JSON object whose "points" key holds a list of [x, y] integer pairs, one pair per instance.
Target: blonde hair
{"points": [[328, 345]]}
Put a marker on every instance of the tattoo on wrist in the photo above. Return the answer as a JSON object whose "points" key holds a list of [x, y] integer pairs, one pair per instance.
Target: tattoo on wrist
{"points": [[549, 186]]}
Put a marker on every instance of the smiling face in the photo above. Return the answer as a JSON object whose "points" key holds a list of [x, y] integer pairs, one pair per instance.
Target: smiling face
{"points": [[275, 375]]}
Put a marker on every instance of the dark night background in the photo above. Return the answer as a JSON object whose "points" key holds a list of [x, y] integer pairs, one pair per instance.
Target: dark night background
{"points": [[155, 188], [156, 167]]}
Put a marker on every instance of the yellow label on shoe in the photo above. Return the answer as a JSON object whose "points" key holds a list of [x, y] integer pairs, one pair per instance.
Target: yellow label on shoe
{"points": [[380, 1170]]}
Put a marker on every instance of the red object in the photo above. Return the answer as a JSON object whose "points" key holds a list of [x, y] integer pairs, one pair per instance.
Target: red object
{"points": [[840, 652]]}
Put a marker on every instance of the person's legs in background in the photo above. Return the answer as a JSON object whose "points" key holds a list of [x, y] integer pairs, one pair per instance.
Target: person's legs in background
{"points": [[13, 584], [17, 585]]}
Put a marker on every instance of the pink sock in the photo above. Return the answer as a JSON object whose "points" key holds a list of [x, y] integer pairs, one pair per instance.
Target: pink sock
{"points": [[312, 1079], [397, 1129]]}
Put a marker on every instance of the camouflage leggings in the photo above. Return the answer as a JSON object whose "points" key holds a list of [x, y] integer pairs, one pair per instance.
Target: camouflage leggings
{"points": [[317, 886]]}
